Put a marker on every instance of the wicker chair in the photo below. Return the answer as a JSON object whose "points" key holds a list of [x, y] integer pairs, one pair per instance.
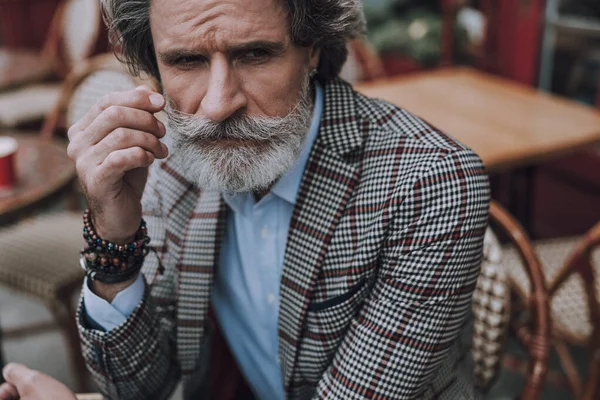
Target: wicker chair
{"points": [[39, 259], [571, 267], [39, 255], [494, 309], [29, 85], [87, 83]]}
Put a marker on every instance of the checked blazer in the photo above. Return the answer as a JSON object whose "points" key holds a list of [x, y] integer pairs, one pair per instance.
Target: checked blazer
{"points": [[382, 257]]}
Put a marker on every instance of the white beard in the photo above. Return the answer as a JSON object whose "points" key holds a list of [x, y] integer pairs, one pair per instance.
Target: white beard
{"points": [[274, 145]]}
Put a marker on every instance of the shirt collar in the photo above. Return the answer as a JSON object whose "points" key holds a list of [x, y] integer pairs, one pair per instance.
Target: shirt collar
{"points": [[288, 185]]}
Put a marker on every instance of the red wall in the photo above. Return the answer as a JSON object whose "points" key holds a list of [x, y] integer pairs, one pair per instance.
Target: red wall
{"points": [[24, 23], [567, 195], [514, 38]]}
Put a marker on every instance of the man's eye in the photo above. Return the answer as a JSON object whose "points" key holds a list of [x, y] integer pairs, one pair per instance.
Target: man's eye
{"points": [[256, 55], [188, 60]]}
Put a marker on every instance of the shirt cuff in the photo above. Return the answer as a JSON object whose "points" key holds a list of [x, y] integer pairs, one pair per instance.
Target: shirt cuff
{"points": [[111, 315]]}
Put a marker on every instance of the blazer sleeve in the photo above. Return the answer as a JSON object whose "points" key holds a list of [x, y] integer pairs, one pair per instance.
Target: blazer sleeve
{"points": [[395, 347], [138, 358]]}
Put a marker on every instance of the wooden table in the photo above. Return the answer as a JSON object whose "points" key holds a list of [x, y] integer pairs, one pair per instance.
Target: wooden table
{"points": [[507, 124], [43, 169]]}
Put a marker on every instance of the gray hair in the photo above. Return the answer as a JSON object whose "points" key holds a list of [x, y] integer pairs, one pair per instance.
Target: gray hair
{"points": [[325, 24]]}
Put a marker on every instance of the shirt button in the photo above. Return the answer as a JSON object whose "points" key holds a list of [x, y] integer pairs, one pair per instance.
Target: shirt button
{"points": [[264, 232], [271, 299]]}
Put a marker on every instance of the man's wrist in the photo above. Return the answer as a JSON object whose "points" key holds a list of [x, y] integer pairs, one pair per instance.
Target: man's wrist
{"points": [[120, 238], [109, 262]]}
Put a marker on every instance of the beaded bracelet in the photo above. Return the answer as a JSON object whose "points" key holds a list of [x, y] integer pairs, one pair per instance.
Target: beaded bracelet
{"points": [[110, 262]]}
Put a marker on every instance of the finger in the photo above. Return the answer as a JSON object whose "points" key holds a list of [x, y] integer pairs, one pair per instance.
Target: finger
{"points": [[19, 376], [145, 88], [143, 99], [123, 138], [117, 163], [8, 392], [114, 118], [14, 372], [122, 117]]}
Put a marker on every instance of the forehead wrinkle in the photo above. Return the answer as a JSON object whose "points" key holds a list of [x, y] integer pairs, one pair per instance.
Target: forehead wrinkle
{"points": [[217, 25]]}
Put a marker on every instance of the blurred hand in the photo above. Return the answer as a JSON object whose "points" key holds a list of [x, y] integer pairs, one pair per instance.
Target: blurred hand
{"points": [[23, 383], [112, 146]]}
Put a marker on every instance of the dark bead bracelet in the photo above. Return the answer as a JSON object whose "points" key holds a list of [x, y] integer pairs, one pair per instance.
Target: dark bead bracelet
{"points": [[110, 262]]}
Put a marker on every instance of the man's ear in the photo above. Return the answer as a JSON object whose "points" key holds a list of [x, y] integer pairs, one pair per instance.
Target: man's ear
{"points": [[314, 54]]}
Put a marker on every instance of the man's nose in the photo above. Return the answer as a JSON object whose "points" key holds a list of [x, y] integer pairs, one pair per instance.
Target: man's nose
{"points": [[224, 97]]}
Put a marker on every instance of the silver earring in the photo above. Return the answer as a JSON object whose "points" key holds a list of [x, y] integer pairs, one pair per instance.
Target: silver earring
{"points": [[313, 73]]}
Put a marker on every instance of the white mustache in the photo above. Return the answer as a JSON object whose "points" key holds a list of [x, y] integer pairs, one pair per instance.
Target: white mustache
{"points": [[240, 127], [236, 128]]}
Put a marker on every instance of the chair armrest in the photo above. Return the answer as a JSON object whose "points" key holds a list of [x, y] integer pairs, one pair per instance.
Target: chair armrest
{"points": [[89, 396], [538, 301]]}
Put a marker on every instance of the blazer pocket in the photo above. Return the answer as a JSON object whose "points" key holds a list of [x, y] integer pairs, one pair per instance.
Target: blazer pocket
{"points": [[334, 301], [324, 328], [332, 317]]}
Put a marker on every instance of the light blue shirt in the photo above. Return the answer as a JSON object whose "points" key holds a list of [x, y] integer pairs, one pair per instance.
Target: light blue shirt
{"points": [[246, 292]]}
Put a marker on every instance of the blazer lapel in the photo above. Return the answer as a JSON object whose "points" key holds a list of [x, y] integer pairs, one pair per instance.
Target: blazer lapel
{"points": [[195, 224], [327, 184], [197, 265]]}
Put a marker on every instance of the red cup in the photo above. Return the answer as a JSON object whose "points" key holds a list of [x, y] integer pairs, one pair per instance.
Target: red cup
{"points": [[8, 149]]}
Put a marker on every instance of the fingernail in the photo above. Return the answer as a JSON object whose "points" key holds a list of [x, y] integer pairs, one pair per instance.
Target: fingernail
{"points": [[156, 99], [164, 148]]}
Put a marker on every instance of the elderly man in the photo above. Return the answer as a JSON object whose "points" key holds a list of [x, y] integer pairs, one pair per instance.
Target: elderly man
{"points": [[298, 240]]}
